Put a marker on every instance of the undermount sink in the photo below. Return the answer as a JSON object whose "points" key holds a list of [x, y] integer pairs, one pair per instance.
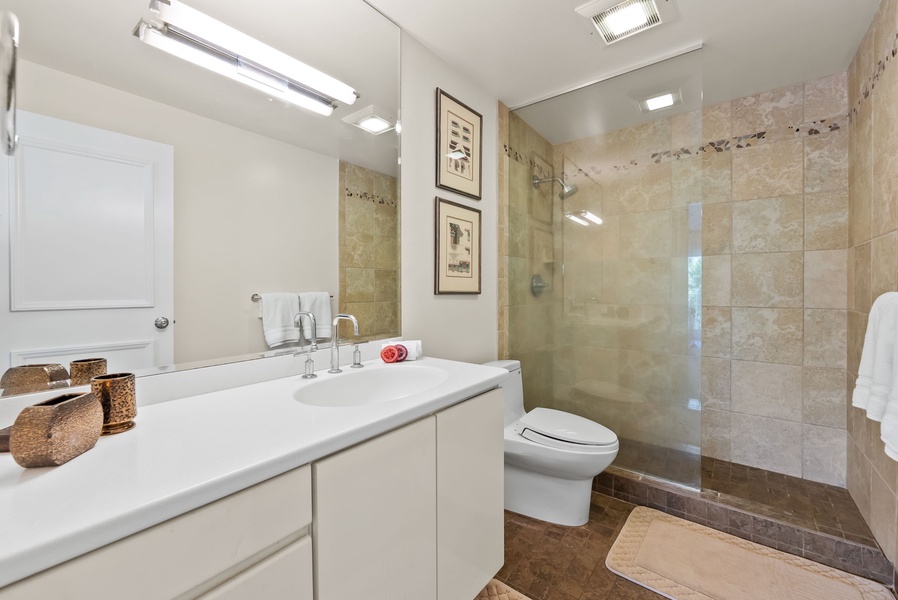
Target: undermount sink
{"points": [[373, 384]]}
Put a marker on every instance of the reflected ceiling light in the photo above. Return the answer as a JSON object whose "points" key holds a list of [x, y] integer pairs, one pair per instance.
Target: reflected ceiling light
{"points": [[591, 217], [661, 101], [616, 21], [576, 219], [194, 36], [372, 119]]}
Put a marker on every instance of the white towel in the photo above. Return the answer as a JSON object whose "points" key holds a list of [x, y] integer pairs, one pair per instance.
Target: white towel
{"points": [[319, 304], [278, 311], [874, 386], [889, 427]]}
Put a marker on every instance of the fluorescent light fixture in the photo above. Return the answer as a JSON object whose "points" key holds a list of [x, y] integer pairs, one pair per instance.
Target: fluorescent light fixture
{"points": [[659, 101], [372, 119], [591, 217], [616, 21], [200, 39], [576, 219]]}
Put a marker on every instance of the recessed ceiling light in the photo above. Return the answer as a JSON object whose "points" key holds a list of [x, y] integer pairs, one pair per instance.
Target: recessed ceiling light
{"points": [[618, 21], [659, 101], [372, 119]]}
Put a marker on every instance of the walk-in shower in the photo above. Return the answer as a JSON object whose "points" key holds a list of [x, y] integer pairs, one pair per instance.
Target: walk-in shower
{"points": [[615, 335]]}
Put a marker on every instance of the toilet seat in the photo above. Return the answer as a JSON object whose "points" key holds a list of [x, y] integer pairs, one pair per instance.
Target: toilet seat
{"points": [[559, 429]]}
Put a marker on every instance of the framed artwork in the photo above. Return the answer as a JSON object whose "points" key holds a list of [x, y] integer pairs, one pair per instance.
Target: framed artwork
{"points": [[457, 249], [459, 146]]}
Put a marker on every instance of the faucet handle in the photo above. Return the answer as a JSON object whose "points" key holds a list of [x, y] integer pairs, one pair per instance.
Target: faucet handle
{"points": [[356, 357]]}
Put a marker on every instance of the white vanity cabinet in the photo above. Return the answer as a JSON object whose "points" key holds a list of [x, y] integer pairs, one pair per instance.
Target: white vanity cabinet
{"points": [[253, 536], [415, 512]]}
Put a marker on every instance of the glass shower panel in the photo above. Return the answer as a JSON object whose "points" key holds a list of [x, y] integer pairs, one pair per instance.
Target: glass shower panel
{"points": [[626, 293]]}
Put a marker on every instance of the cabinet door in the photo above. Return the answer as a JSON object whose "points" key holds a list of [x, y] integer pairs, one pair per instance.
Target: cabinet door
{"points": [[374, 526], [470, 495], [284, 575]]}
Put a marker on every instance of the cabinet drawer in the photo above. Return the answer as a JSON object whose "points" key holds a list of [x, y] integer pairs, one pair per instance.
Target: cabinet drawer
{"points": [[178, 555], [284, 575]]}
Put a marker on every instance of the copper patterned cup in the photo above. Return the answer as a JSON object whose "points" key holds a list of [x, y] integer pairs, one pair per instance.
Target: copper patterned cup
{"points": [[116, 394], [83, 370]]}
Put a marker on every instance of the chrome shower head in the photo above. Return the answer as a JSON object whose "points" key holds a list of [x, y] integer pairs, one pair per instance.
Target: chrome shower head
{"points": [[567, 190]]}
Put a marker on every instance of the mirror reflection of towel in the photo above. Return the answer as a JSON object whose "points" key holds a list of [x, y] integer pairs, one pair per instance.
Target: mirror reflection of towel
{"points": [[319, 304], [278, 311]]}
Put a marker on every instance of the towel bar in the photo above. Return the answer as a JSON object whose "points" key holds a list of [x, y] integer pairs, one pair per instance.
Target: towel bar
{"points": [[257, 297]]}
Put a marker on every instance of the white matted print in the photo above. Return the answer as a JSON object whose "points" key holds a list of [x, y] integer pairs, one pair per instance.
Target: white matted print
{"points": [[459, 146], [457, 269]]}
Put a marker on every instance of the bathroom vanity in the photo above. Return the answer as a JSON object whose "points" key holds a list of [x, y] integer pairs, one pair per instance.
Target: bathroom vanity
{"points": [[230, 495]]}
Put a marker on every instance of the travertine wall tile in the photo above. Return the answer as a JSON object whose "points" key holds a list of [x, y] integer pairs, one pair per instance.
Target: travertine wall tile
{"points": [[716, 383], [717, 229], [716, 280], [775, 169], [766, 443], [768, 335], [825, 338], [826, 279], [644, 234], [717, 177], [717, 327], [883, 209], [826, 97], [776, 109], [824, 454], [884, 263], [771, 279], [768, 225], [767, 389], [824, 397], [826, 161], [826, 220], [863, 284], [716, 432], [717, 122], [860, 199]]}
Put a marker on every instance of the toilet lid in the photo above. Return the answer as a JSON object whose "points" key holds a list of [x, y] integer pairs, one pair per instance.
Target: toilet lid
{"points": [[546, 425]]}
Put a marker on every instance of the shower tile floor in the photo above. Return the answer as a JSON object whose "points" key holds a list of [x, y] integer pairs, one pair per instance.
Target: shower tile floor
{"points": [[551, 562], [816, 506]]}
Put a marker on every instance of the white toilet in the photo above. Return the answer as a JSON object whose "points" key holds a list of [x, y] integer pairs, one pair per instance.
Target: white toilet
{"points": [[551, 457]]}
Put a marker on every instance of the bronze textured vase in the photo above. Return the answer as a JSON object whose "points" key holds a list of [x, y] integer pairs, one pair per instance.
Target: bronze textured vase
{"points": [[33, 378], [55, 431], [116, 393], [84, 369]]}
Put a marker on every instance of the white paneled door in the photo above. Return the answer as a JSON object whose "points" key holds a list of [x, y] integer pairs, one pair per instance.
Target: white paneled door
{"points": [[85, 247]]}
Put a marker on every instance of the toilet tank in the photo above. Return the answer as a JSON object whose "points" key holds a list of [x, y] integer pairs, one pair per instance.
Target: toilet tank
{"points": [[513, 388]]}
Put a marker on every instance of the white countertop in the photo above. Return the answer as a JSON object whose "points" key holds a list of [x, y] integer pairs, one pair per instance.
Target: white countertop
{"points": [[188, 452]]}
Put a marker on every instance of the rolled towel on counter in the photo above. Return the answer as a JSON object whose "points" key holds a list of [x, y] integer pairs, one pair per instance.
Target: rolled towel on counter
{"points": [[413, 347]]}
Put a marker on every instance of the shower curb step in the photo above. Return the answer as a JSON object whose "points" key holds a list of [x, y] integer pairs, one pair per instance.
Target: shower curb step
{"points": [[707, 508]]}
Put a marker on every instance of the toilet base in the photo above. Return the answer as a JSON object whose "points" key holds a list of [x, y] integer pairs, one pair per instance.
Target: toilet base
{"points": [[547, 498]]}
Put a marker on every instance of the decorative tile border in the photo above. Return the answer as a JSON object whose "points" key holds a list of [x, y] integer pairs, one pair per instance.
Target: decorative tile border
{"points": [[376, 199], [859, 559], [870, 81], [725, 145]]}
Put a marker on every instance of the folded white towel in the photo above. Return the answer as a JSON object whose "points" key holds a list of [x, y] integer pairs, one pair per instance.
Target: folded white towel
{"points": [[889, 427], [875, 372], [319, 304], [278, 311]]}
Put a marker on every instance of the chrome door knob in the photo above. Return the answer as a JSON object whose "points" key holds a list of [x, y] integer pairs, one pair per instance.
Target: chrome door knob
{"points": [[161, 323]]}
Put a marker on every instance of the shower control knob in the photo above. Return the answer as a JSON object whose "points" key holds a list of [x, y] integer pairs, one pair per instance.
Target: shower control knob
{"points": [[161, 323]]}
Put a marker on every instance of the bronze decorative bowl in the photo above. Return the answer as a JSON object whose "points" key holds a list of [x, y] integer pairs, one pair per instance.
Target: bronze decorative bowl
{"points": [[55, 431], [33, 378]]}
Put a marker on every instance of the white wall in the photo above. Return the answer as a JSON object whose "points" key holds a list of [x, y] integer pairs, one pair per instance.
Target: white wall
{"points": [[252, 214], [460, 327]]}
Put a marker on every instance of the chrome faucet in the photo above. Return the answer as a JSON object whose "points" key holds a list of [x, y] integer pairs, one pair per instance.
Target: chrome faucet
{"points": [[313, 346], [335, 350]]}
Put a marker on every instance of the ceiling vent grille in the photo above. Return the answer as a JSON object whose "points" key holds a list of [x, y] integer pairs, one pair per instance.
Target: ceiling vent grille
{"points": [[626, 18]]}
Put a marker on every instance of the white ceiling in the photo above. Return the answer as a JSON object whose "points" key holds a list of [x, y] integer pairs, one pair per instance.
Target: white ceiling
{"points": [[528, 50]]}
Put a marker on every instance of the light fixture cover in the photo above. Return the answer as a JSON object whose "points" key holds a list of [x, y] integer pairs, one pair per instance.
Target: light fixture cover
{"points": [[576, 219], [661, 100], [372, 119], [618, 20], [194, 36]]}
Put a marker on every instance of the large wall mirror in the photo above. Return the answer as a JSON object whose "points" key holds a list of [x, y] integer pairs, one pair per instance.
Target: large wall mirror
{"points": [[264, 196]]}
